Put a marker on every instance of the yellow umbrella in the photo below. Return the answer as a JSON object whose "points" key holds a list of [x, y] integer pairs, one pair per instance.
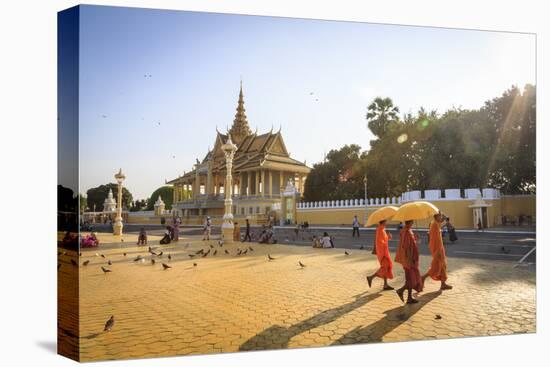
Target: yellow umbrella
{"points": [[415, 210], [381, 214]]}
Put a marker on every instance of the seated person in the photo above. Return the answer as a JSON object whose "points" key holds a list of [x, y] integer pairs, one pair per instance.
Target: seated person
{"points": [[326, 241], [167, 238], [89, 241], [317, 242], [142, 237]]}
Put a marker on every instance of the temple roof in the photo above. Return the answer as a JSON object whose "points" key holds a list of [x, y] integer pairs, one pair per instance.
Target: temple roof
{"points": [[253, 151]]}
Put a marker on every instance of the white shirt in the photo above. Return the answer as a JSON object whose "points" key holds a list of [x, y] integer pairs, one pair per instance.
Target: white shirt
{"points": [[326, 242]]}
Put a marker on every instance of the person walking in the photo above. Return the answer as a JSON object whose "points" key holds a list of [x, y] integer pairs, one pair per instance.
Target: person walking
{"points": [[407, 256], [381, 238], [207, 229], [355, 226], [247, 233], [438, 267]]}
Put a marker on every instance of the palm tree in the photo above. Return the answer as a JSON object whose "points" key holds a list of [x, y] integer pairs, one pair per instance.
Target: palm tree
{"points": [[381, 113]]}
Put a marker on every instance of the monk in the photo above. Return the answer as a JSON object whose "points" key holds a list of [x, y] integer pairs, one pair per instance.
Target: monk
{"points": [[438, 268], [381, 238], [407, 256]]}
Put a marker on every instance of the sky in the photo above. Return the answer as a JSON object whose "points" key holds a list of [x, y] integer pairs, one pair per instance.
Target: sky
{"points": [[155, 84]]}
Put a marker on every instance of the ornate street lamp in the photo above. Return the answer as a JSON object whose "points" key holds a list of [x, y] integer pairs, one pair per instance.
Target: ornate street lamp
{"points": [[229, 150], [117, 227]]}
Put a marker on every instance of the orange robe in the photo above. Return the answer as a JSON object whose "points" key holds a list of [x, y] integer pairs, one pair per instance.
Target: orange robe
{"points": [[407, 256], [438, 268], [383, 253]]}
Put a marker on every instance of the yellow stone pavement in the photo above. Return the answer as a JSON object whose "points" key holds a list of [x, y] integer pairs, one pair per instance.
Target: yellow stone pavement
{"points": [[229, 303]]}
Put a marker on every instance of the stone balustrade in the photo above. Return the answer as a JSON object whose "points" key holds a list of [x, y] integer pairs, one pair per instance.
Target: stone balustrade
{"points": [[430, 195]]}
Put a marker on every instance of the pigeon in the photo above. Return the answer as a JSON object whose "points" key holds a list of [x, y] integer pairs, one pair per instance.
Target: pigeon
{"points": [[345, 252], [169, 257], [438, 317], [239, 252], [152, 261], [362, 247], [74, 262], [160, 253], [149, 249], [215, 252], [122, 240], [220, 243], [105, 270], [124, 254], [301, 264], [109, 324], [245, 251], [191, 255], [86, 262], [270, 258], [109, 262], [103, 256], [206, 253], [226, 252], [250, 248], [201, 251], [194, 264], [138, 258], [211, 246], [166, 266]]}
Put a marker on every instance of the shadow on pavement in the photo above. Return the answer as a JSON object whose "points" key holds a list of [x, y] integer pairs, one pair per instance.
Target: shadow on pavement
{"points": [[394, 317], [277, 336]]}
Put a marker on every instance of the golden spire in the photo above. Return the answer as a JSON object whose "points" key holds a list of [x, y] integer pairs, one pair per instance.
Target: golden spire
{"points": [[240, 128]]}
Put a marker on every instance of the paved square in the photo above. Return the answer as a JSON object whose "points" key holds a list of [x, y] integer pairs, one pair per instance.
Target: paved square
{"points": [[229, 303]]}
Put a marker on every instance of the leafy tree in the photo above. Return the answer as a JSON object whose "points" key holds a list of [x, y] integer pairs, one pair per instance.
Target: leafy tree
{"points": [[167, 195], [83, 203], [96, 196]]}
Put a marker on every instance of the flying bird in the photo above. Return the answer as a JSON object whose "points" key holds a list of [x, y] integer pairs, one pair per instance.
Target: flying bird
{"points": [[105, 270], [270, 257], [109, 324], [166, 266], [301, 264]]}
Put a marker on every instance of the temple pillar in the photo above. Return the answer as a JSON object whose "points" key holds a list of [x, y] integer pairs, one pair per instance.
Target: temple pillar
{"points": [[263, 182], [257, 182], [270, 183], [209, 184], [249, 182]]}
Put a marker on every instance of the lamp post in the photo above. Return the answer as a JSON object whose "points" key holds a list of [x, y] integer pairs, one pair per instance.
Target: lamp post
{"points": [[366, 199], [117, 227], [229, 150]]}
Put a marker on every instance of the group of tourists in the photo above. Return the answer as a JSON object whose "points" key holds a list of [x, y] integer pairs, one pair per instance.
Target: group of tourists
{"points": [[407, 255]]}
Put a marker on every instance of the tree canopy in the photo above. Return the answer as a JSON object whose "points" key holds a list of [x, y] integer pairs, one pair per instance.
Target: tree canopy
{"points": [[96, 196], [167, 195], [493, 146]]}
